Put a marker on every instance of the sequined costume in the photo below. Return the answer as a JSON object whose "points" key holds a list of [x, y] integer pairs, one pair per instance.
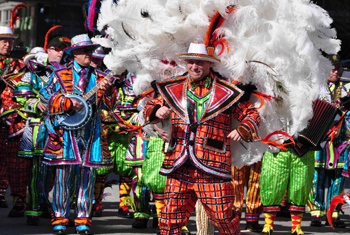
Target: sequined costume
{"points": [[35, 137], [198, 163], [13, 169], [75, 152], [330, 162]]}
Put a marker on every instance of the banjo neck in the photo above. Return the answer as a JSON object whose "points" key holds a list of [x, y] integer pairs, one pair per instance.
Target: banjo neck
{"points": [[90, 93]]}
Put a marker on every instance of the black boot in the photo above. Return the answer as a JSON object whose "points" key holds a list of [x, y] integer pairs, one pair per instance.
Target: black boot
{"points": [[124, 212], [155, 222], [86, 232], [59, 232], [140, 223], [17, 211], [337, 223], [32, 220], [158, 231], [316, 222], [3, 203], [254, 226]]}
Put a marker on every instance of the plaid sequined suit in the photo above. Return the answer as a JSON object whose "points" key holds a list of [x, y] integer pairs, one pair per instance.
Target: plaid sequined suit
{"points": [[12, 169], [198, 163]]}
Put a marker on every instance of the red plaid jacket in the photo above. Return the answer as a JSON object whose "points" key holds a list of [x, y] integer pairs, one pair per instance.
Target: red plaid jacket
{"points": [[204, 141]]}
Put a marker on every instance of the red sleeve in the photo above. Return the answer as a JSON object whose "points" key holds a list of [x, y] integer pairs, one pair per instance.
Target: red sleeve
{"points": [[151, 108], [250, 120]]}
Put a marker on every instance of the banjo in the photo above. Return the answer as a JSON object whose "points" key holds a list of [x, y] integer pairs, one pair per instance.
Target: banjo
{"points": [[77, 119]]}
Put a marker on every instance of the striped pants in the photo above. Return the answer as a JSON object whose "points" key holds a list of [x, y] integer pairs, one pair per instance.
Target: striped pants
{"points": [[85, 182], [251, 176], [39, 186], [184, 187], [316, 203], [286, 171]]}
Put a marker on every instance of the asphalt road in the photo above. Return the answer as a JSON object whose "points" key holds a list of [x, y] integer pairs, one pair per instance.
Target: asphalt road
{"points": [[111, 223]]}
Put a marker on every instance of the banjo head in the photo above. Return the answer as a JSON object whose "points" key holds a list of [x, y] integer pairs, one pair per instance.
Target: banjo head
{"points": [[77, 119]]}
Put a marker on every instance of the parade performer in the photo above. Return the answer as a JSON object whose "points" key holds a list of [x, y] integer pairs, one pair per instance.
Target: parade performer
{"points": [[149, 33], [78, 151], [13, 169], [199, 163], [329, 162], [251, 176], [35, 132]]}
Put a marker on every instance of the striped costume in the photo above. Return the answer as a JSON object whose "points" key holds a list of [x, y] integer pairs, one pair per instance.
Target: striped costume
{"points": [[330, 162], [75, 153], [198, 163], [35, 136], [251, 176]]}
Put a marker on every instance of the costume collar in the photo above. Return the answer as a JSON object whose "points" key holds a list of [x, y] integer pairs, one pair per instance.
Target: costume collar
{"points": [[78, 68], [174, 91], [206, 81]]}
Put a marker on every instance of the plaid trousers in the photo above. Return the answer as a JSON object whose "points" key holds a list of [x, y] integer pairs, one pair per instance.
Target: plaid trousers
{"points": [[184, 187], [13, 169]]}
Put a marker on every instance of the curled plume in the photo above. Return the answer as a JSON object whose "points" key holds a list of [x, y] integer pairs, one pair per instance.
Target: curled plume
{"points": [[14, 16], [334, 202], [48, 34], [213, 36]]}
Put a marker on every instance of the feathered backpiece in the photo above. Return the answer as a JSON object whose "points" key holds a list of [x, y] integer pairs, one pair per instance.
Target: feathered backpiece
{"points": [[14, 16], [48, 35], [213, 36], [285, 65]]}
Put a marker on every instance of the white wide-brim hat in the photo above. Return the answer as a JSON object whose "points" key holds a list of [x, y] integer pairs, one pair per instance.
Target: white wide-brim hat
{"points": [[38, 53], [6, 32], [198, 51]]}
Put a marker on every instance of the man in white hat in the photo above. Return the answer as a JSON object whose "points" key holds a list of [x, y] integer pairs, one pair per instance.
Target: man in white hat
{"points": [[78, 151], [12, 169], [200, 105]]}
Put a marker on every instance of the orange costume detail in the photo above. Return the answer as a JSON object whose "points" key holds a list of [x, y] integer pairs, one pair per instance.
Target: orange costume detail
{"points": [[198, 161]]}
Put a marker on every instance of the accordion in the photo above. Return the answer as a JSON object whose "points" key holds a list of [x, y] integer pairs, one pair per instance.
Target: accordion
{"points": [[322, 121]]}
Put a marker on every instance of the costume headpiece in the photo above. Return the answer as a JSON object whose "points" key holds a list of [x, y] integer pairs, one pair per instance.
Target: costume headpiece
{"points": [[213, 38], [6, 32], [14, 16], [33, 53], [57, 41], [99, 53], [80, 41]]}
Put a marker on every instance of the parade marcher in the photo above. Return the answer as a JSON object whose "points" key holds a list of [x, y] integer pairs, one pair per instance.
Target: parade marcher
{"points": [[249, 175], [39, 66], [198, 163], [78, 151], [329, 162], [13, 169], [97, 59]]}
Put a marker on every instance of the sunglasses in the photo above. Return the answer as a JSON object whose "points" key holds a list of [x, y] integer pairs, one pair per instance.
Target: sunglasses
{"points": [[56, 49], [86, 50]]}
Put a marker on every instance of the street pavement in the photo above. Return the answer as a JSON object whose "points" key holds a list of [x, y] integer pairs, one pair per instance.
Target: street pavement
{"points": [[111, 223]]}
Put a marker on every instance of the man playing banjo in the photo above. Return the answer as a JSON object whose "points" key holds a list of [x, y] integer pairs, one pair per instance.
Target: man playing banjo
{"points": [[76, 150]]}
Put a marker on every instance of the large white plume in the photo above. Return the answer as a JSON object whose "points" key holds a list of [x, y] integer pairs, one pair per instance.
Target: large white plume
{"points": [[274, 44]]}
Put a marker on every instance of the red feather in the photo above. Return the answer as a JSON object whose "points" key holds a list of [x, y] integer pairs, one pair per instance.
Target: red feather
{"points": [[213, 36], [334, 202], [14, 16], [47, 35]]}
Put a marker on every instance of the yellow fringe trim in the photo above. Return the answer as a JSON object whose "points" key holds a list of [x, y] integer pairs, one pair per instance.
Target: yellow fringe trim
{"points": [[298, 230], [267, 229]]}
